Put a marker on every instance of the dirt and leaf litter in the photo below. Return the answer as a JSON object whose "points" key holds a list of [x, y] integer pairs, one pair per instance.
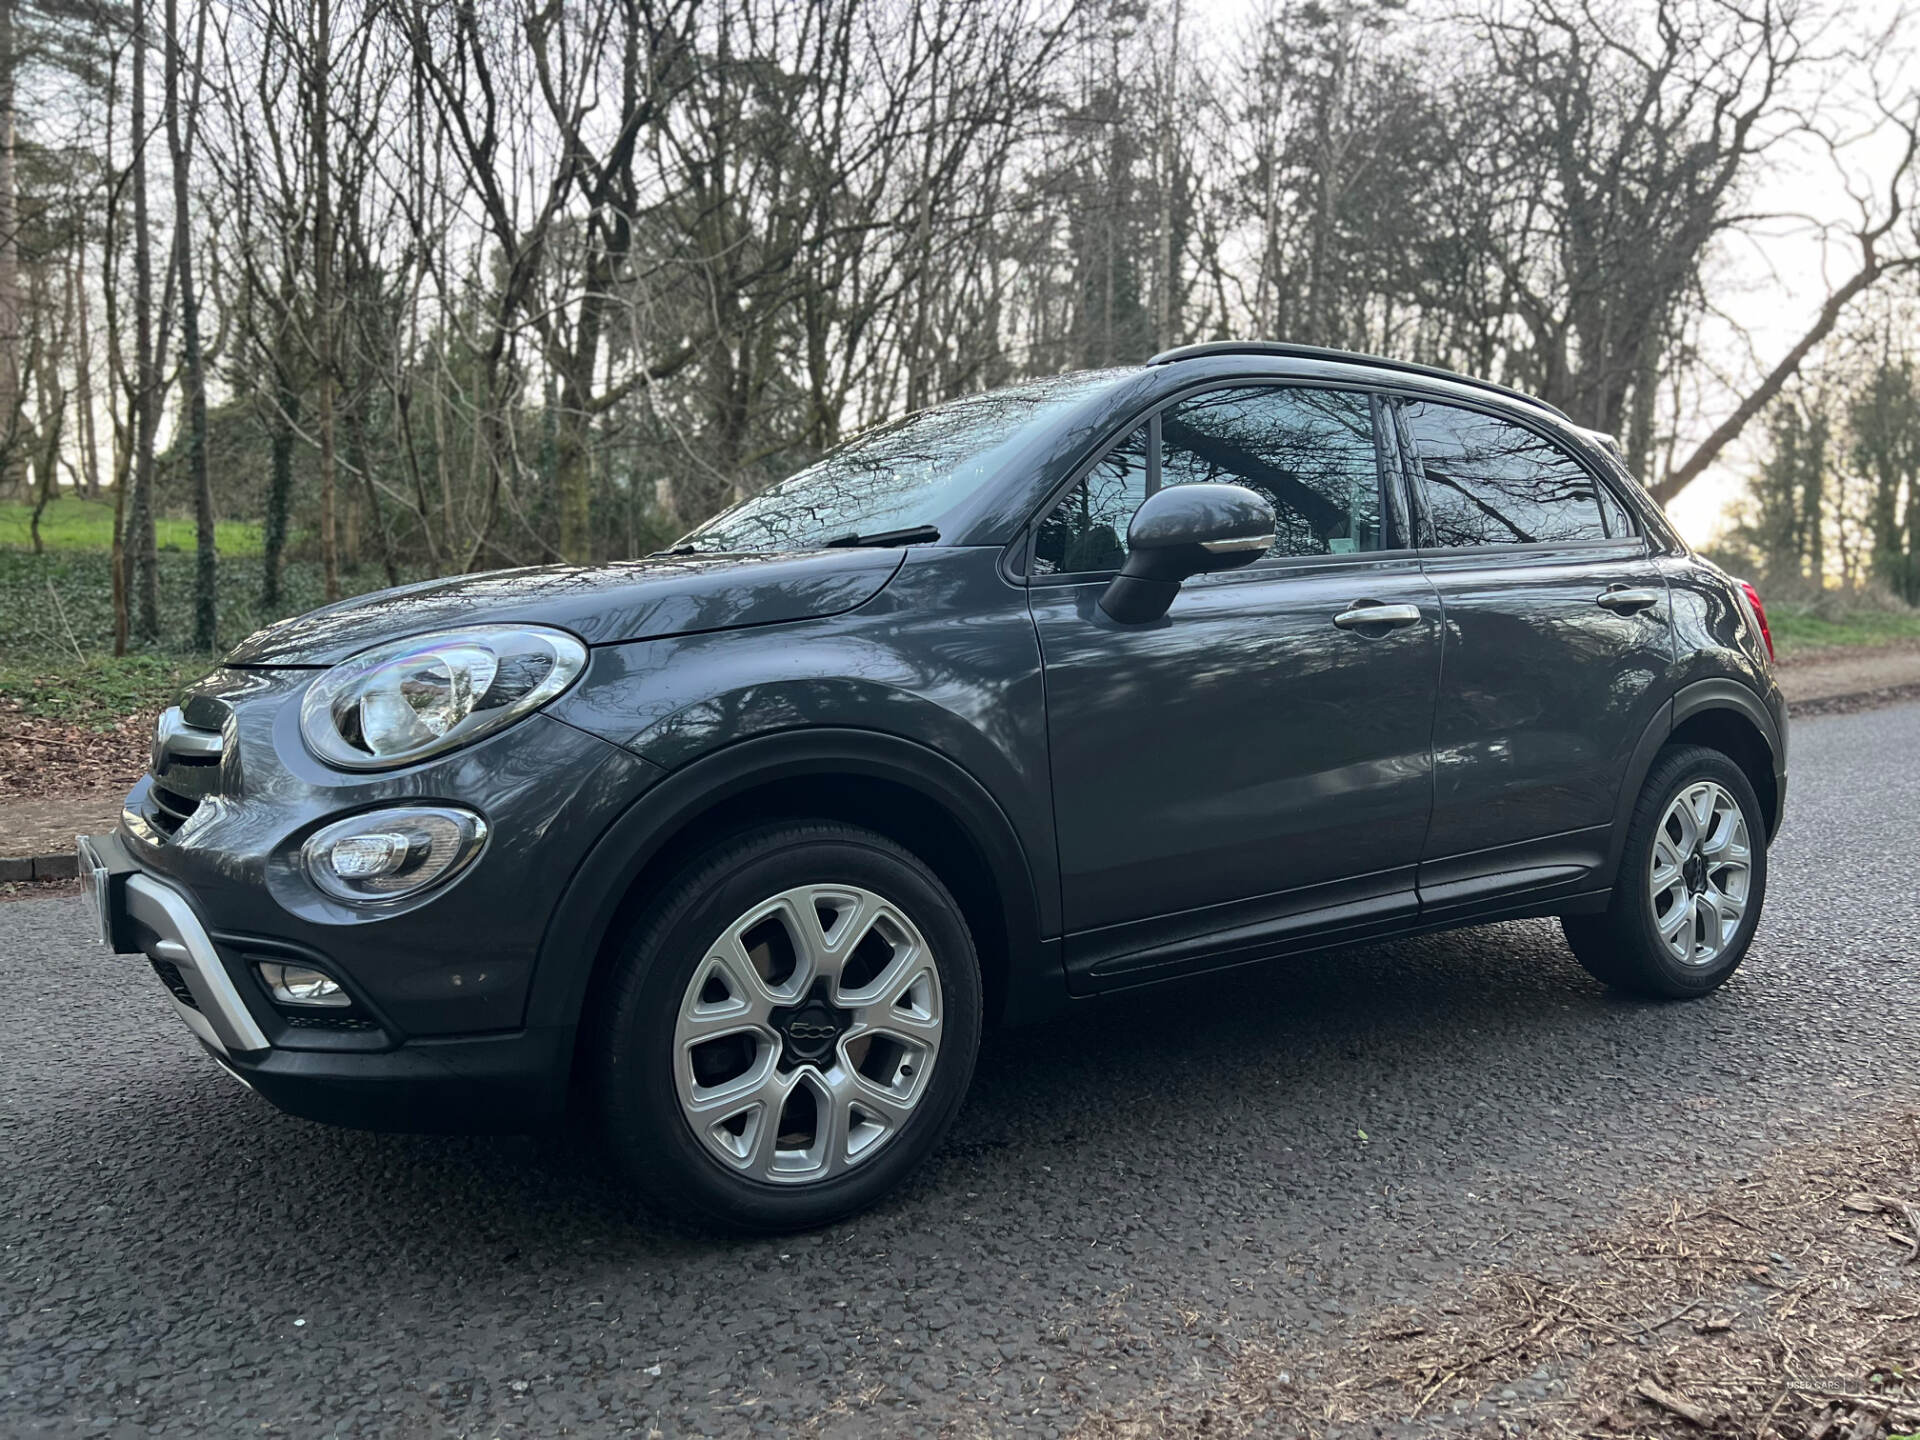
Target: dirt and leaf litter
{"points": [[1786, 1304]]}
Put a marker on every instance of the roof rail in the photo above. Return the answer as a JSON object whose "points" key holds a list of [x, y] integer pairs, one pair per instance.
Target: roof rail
{"points": [[1350, 357]]}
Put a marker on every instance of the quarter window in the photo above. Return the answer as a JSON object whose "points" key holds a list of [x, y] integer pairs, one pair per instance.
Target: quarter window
{"points": [[1087, 530], [1614, 513], [1310, 452], [1491, 482]]}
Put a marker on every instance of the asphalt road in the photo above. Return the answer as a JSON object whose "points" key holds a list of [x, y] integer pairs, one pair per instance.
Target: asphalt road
{"points": [[1128, 1194]]}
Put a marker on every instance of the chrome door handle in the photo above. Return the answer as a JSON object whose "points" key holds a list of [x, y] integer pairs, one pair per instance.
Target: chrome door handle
{"points": [[1362, 616], [1627, 600]]}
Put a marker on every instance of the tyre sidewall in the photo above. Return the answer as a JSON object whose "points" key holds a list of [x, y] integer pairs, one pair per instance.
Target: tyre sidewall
{"points": [[640, 1103], [1673, 774]]}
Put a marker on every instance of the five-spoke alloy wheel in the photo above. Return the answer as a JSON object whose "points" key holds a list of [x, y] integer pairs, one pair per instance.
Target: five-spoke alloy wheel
{"points": [[790, 1029], [1691, 883]]}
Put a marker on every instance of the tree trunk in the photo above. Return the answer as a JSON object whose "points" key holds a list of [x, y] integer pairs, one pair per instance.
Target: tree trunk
{"points": [[361, 457], [119, 557], [145, 562], [46, 463], [1813, 511], [11, 400], [1163, 309], [1771, 385], [279, 470], [323, 289], [83, 378], [206, 570]]}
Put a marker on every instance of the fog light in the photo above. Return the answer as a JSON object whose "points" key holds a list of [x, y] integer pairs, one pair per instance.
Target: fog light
{"points": [[301, 985], [392, 854]]}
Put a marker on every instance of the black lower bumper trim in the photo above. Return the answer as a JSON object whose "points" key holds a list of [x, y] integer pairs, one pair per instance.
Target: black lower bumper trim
{"points": [[509, 1083]]}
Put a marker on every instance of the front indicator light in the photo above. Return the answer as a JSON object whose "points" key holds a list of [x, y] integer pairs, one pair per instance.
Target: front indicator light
{"points": [[395, 854], [302, 985]]}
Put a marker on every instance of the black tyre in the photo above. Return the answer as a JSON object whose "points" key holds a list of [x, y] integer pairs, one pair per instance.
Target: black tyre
{"points": [[1692, 880], [790, 1030]]}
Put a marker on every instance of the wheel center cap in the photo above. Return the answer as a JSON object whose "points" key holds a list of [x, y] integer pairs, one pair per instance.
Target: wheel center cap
{"points": [[810, 1029], [1695, 871]]}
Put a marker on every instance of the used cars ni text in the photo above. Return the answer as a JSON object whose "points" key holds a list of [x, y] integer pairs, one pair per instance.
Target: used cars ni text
{"points": [[1086, 684]]}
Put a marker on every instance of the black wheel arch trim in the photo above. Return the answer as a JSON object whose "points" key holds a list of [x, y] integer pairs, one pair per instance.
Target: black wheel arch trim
{"points": [[1690, 700], [1731, 694], [563, 970]]}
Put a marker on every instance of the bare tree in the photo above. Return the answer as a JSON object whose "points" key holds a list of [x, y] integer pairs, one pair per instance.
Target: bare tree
{"points": [[147, 394], [182, 109], [11, 397], [509, 281]]}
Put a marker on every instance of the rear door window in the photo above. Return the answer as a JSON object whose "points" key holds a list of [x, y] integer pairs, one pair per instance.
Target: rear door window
{"points": [[1489, 481]]}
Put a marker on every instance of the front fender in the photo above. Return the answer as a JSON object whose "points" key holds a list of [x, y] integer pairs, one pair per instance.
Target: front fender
{"points": [[945, 659], [599, 887], [935, 684]]}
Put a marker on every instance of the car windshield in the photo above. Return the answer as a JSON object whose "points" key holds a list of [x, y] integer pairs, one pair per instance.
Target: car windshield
{"points": [[897, 477]]}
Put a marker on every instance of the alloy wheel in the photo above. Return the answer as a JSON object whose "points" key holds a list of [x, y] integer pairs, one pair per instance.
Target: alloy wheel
{"points": [[807, 1034], [1699, 873]]}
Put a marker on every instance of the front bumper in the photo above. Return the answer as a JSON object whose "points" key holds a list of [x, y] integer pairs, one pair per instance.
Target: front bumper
{"points": [[203, 878], [182, 955], [504, 1082]]}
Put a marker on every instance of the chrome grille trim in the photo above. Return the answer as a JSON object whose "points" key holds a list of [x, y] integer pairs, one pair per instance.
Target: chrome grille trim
{"points": [[186, 768], [175, 739]]}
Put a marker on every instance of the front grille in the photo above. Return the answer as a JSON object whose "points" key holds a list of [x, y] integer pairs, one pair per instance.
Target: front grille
{"points": [[323, 1022], [187, 768], [170, 809], [171, 977]]}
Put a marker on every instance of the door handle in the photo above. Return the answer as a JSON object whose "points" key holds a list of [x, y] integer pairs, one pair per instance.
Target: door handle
{"points": [[1363, 615], [1626, 600]]}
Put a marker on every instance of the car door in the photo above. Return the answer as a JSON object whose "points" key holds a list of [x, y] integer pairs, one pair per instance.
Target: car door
{"points": [[1255, 765], [1557, 632]]}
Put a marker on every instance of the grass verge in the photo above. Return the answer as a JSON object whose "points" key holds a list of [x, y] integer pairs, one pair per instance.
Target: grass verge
{"points": [[73, 522], [1797, 628]]}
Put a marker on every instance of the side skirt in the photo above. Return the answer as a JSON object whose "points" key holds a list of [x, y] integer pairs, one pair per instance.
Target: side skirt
{"points": [[1390, 917]]}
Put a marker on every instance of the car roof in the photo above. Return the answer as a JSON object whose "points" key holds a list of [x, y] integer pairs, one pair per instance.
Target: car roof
{"points": [[1288, 350]]}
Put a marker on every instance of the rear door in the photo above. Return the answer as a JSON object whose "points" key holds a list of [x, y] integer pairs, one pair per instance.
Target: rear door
{"points": [[1557, 634], [1246, 769]]}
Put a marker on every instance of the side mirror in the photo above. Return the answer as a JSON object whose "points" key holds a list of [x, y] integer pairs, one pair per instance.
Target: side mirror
{"points": [[1182, 531]]}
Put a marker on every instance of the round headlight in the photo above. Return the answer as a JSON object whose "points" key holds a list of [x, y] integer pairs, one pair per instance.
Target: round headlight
{"points": [[408, 699]]}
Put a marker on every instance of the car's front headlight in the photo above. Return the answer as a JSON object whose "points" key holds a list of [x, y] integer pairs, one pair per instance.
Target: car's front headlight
{"points": [[406, 700]]}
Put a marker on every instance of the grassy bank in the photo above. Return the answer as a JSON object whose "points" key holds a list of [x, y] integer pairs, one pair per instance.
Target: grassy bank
{"points": [[1799, 628], [72, 522], [56, 630], [56, 613]]}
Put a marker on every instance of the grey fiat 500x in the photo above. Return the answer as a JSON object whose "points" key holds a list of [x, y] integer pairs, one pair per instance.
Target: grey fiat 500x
{"points": [[1038, 695]]}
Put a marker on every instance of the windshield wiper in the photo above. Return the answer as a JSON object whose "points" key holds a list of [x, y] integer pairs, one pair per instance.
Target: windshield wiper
{"points": [[912, 535], [676, 550]]}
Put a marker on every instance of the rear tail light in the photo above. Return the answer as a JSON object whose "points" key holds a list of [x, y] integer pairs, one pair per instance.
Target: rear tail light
{"points": [[1759, 614]]}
